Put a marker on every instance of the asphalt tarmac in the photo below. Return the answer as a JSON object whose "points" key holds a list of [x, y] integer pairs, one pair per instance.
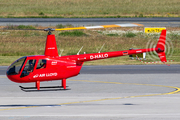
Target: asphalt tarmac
{"points": [[147, 22], [101, 96]]}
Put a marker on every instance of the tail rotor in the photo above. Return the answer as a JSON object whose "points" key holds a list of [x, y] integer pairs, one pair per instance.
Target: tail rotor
{"points": [[160, 47]]}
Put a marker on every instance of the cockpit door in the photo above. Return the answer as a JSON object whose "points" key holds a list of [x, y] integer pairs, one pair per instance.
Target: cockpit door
{"points": [[40, 70], [28, 68]]}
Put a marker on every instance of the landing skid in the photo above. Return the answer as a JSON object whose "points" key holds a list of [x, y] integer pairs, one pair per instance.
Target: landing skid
{"points": [[48, 88]]}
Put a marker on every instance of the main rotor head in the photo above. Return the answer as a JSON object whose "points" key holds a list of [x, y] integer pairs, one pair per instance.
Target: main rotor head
{"points": [[49, 30]]}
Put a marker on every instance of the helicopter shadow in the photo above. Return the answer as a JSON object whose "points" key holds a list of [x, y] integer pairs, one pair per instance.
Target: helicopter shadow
{"points": [[48, 105]]}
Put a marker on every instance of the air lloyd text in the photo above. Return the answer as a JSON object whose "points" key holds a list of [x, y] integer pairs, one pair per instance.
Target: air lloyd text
{"points": [[45, 75]]}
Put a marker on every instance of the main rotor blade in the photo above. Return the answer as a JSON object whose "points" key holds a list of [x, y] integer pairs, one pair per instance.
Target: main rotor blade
{"points": [[102, 26], [19, 29]]}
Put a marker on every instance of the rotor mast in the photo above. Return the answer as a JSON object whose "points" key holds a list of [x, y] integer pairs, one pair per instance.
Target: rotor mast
{"points": [[51, 47]]}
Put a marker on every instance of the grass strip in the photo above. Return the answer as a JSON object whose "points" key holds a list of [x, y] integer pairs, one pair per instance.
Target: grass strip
{"points": [[89, 8]]}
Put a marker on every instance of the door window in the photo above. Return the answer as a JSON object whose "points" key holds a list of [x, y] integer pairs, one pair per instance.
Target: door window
{"points": [[41, 64], [28, 67]]}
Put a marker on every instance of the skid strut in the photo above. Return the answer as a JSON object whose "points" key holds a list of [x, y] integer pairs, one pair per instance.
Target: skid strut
{"points": [[37, 86], [64, 83]]}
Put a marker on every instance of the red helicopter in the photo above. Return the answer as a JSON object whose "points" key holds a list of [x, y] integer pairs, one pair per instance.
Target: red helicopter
{"points": [[51, 66]]}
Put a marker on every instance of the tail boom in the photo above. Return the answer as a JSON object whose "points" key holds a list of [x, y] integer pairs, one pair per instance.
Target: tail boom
{"points": [[160, 49]]}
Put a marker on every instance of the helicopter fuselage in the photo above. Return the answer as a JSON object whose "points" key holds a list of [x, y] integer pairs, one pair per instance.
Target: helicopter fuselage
{"points": [[43, 68]]}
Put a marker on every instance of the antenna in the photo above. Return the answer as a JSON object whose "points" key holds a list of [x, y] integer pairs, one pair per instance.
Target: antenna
{"points": [[61, 52], [80, 50], [101, 48]]}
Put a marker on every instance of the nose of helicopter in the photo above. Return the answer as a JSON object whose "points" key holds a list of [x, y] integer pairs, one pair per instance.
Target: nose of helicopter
{"points": [[13, 78], [13, 71]]}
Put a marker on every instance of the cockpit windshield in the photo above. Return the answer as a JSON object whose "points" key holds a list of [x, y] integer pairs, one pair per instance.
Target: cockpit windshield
{"points": [[16, 67]]}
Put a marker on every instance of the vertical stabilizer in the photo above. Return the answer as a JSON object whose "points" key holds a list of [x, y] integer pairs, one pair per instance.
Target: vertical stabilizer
{"points": [[51, 47]]}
